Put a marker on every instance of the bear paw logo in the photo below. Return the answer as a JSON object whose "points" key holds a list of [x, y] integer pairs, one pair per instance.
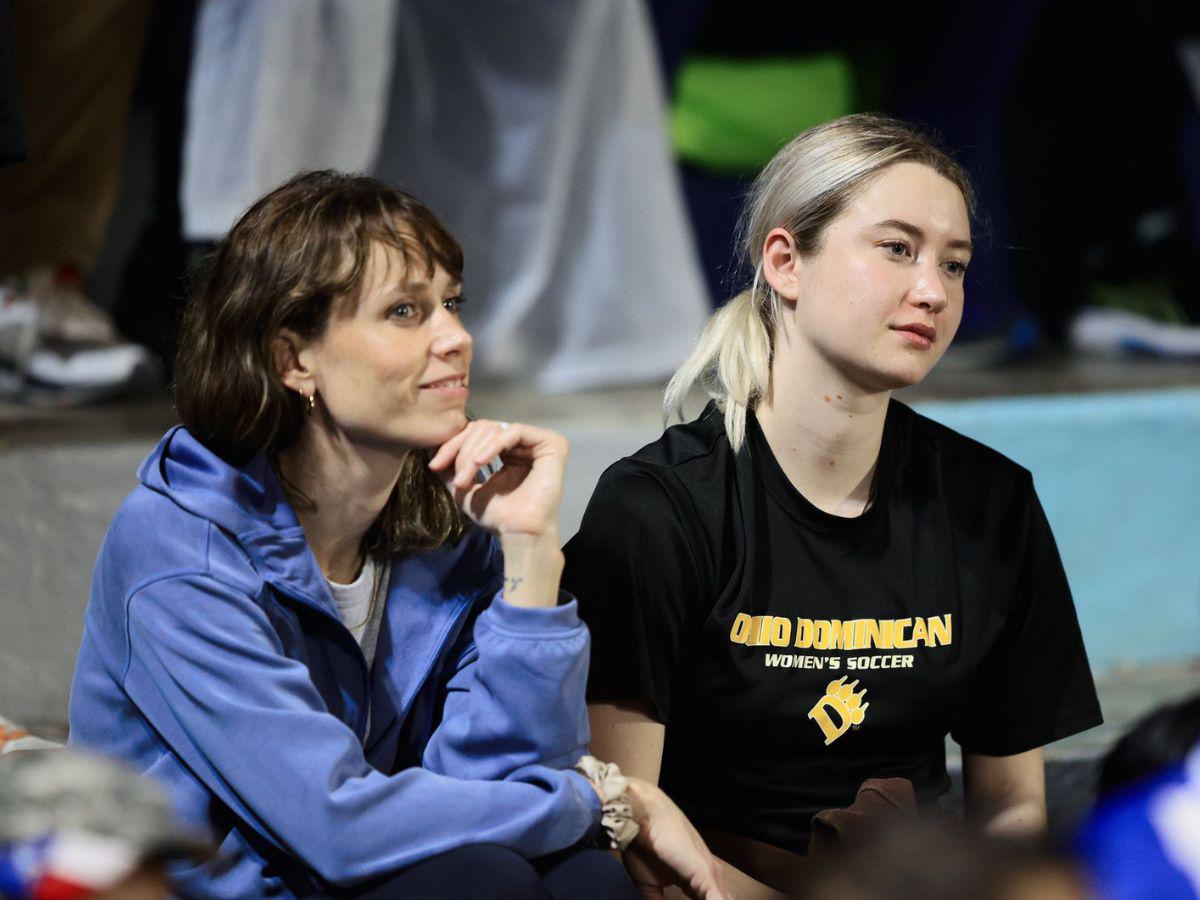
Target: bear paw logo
{"points": [[839, 698]]}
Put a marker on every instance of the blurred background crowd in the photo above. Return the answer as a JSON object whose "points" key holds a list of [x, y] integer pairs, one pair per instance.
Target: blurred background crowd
{"points": [[592, 156]]}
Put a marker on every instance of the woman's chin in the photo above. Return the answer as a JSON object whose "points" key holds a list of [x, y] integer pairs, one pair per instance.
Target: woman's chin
{"points": [[427, 434], [908, 379], [877, 380], [438, 434], [908, 372]]}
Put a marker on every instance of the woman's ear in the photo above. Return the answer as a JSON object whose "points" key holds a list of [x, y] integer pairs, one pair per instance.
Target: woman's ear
{"points": [[781, 263], [292, 362]]}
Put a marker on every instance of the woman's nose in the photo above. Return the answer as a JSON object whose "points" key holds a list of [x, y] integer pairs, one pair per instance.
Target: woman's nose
{"points": [[929, 292], [452, 338]]}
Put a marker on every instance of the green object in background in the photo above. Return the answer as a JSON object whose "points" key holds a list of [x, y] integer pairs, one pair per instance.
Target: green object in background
{"points": [[1151, 298], [730, 115]]}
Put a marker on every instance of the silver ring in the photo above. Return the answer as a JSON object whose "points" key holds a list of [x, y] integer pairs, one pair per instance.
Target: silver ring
{"points": [[504, 425]]}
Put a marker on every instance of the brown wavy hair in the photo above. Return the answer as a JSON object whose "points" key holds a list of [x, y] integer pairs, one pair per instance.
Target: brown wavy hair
{"points": [[286, 263]]}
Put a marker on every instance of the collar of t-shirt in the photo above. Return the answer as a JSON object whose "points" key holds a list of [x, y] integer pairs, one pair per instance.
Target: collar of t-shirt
{"points": [[796, 505], [354, 605]]}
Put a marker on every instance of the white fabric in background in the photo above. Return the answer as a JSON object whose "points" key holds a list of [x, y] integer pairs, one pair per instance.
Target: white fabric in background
{"points": [[537, 132], [278, 86]]}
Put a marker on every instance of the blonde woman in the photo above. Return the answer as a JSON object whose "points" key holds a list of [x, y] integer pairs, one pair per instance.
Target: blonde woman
{"points": [[810, 584]]}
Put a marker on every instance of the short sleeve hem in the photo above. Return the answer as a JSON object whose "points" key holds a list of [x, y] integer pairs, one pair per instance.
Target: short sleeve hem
{"points": [[1066, 725], [659, 708], [639, 579]]}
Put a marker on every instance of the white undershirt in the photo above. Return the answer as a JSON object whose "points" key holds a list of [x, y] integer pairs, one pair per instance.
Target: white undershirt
{"points": [[354, 606]]}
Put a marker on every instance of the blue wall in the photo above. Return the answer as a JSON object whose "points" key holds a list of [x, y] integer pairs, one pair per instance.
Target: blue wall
{"points": [[1119, 476]]}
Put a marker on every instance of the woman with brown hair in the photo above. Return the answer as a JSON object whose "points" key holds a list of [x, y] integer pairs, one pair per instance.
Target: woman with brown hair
{"points": [[340, 644]]}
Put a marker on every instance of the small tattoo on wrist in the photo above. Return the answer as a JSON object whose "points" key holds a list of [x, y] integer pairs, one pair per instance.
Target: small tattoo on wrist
{"points": [[511, 584]]}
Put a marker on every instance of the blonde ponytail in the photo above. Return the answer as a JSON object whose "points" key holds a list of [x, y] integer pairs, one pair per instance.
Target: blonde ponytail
{"points": [[731, 361]]}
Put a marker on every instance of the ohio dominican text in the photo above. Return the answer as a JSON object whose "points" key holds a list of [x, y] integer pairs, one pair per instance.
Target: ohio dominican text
{"points": [[856, 643]]}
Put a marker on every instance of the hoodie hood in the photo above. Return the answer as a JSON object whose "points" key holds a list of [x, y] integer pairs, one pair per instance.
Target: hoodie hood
{"points": [[237, 499], [247, 502]]}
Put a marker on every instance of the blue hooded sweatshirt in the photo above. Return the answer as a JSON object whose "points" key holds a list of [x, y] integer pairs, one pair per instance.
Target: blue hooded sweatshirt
{"points": [[213, 659]]}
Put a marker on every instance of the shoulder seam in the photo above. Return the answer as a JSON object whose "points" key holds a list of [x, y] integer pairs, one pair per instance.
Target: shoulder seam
{"points": [[141, 586], [660, 474], [703, 451], [948, 434], [204, 572]]}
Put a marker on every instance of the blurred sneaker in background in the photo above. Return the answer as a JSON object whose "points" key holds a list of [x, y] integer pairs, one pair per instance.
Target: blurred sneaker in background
{"points": [[1140, 317], [59, 348], [65, 314], [18, 336], [15, 739]]}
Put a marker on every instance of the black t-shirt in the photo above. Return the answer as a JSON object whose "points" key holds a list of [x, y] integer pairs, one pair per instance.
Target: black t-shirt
{"points": [[792, 654]]}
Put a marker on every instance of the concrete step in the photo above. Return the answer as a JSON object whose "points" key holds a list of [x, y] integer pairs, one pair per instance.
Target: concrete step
{"points": [[1114, 471]]}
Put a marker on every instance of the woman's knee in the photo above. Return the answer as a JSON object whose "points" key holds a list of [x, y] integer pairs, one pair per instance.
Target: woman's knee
{"points": [[585, 873], [477, 872]]}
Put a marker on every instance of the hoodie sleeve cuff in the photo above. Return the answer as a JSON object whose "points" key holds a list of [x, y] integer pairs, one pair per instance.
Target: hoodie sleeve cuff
{"points": [[535, 621], [591, 800]]}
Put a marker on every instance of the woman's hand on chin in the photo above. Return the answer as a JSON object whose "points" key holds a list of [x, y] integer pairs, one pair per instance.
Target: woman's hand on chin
{"points": [[522, 498], [518, 503]]}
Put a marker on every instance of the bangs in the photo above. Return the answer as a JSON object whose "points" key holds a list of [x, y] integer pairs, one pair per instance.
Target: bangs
{"points": [[423, 243]]}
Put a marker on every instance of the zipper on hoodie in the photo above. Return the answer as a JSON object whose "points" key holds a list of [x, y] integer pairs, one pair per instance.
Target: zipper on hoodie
{"points": [[364, 716], [363, 720], [435, 654], [362, 726]]}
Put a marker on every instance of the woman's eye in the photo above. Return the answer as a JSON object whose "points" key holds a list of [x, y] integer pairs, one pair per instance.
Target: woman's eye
{"points": [[403, 311], [897, 245], [956, 268], [454, 304]]}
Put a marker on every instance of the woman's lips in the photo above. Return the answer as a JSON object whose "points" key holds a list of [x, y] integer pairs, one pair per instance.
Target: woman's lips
{"points": [[917, 334], [450, 386]]}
